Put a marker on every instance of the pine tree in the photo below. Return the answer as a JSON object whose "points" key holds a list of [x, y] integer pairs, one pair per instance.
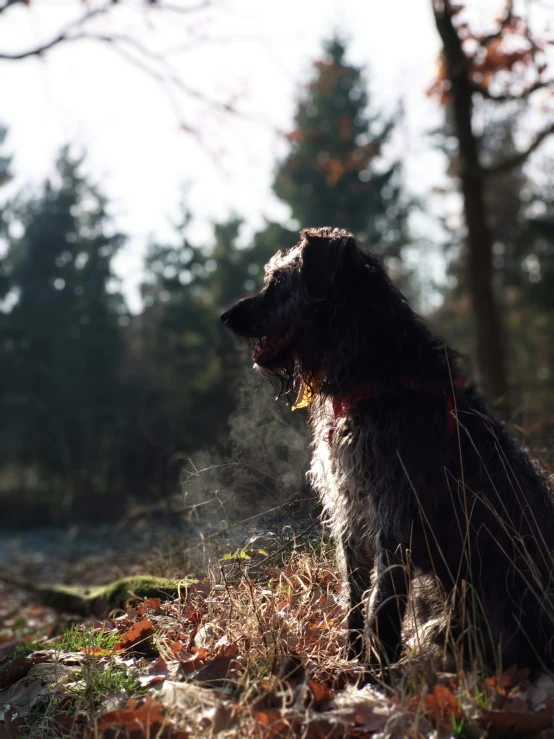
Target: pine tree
{"points": [[173, 353], [190, 361], [5, 281], [335, 173], [61, 347], [5, 161]]}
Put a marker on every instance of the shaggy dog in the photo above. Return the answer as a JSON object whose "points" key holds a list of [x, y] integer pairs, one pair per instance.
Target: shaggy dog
{"points": [[417, 477]]}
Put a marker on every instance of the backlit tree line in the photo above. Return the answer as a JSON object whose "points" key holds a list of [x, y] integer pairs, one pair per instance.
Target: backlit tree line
{"points": [[99, 405]]}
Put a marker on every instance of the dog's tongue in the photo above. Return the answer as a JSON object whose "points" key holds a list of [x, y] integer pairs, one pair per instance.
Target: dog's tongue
{"points": [[271, 343]]}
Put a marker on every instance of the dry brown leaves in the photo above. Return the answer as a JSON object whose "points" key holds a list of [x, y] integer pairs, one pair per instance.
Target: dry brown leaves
{"points": [[137, 636], [264, 659], [138, 719]]}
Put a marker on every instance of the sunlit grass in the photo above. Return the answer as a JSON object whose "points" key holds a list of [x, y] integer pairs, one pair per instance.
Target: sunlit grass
{"points": [[77, 638]]}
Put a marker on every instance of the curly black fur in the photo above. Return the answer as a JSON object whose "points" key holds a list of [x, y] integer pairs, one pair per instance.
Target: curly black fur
{"points": [[405, 496]]}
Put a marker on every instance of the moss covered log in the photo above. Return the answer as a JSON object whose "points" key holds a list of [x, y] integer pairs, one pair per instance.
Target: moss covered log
{"points": [[101, 599]]}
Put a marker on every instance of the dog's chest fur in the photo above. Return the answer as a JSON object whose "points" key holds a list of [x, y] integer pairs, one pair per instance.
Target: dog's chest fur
{"points": [[341, 474]]}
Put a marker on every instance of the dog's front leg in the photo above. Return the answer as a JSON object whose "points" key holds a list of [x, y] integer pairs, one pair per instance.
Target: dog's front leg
{"points": [[358, 578], [388, 599]]}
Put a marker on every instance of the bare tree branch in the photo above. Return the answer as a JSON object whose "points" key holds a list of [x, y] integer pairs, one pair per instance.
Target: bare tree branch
{"points": [[504, 21], [164, 73], [153, 63], [507, 97], [69, 33], [179, 9], [520, 158], [10, 3], [72, 32]]}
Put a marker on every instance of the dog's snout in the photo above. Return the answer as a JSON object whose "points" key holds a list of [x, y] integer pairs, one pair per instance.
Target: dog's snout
{"points": [[241, 318]]}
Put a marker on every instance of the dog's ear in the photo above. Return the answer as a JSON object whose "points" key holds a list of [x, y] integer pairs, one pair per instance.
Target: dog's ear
{"points": [[326, 257]]}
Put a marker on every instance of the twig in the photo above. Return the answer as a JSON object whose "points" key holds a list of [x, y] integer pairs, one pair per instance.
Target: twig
{"points": [[63, 36], [521, 157], [10, 3], [489, 38], [504, 97]]}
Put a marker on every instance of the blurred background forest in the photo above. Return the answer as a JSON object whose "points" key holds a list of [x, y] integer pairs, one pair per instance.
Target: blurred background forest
{"points": [[117, 389]]}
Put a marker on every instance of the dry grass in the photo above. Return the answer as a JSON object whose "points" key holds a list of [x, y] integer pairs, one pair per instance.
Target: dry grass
{"points": [[257, 649]]}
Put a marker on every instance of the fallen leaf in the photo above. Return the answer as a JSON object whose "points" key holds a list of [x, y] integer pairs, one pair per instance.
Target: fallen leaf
{"points": [[138, 719], [445, 701], [22, 696], [365, 708], [137, 634], [64, 724], [499, 723], [159, 667], [177, 648], [7, 649], [321, 694], [192, 661], [205, 710], [270, 718], [156, 674], [9, 726], [150, 604], [15, 671], [19, 668], [540, 692], [502, 684], [217, 671], [202, 589], [517, 705], [323, 727], [321, 625]]}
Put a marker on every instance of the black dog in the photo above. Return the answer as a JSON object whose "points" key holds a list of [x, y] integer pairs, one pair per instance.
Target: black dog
{"points": [[417, 476]]}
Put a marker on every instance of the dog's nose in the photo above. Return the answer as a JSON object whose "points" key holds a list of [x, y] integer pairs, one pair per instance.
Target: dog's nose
{"points": [[225, 316]]}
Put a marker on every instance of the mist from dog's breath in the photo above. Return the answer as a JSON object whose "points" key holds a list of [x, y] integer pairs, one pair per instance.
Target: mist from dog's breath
{"points": [[264, 469]]}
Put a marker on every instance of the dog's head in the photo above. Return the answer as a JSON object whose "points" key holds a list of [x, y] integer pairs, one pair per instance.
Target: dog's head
{"points": [[318, 303]]}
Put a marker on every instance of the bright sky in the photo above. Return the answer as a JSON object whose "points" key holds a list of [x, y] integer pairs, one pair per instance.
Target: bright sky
{"points": [[257, 50]]}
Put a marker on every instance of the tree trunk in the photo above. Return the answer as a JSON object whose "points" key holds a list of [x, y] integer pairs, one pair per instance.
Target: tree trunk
{"points": [[490, 349], [491, 357]]}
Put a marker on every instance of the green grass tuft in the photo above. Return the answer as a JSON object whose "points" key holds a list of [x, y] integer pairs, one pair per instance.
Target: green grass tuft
{"points": [[76, 638]]}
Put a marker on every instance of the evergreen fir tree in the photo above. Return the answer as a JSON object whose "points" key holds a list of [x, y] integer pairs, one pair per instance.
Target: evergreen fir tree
{"points": [[5, 161], [5, 281], [174, 340], [188, 359], [335, 173], [61, 344]]}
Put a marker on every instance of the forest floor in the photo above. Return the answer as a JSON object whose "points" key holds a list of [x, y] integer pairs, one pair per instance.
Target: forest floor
{"points": [[251, 644]]}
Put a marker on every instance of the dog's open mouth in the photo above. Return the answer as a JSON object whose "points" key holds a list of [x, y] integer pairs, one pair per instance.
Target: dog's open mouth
{"points": [[272, 347]]}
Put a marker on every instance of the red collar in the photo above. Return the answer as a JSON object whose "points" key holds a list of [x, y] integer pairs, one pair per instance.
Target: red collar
{"points": [[369, 390]]}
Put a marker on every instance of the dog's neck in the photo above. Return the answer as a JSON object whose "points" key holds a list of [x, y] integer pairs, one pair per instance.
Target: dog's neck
{"points": [[343, 404], [389, 358]]}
